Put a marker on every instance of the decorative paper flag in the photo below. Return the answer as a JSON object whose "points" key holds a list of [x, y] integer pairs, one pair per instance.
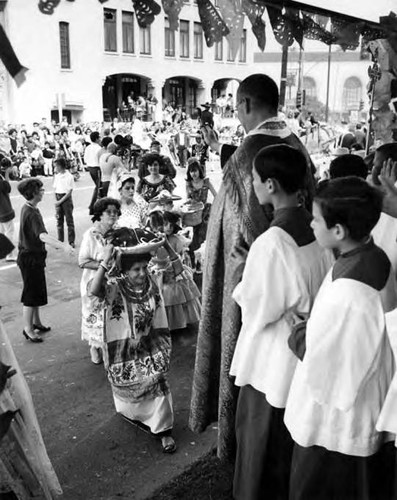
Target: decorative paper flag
{"points": [[254, 12], [48, 6], [314, 31], [346, 34], [280, 26], [172, 9], [295, 24], [234, 19], [213, 25], [10, 60], [145, 11]]}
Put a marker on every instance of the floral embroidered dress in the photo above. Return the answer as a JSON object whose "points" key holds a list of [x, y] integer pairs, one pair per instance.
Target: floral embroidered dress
{"points": [[91, 248], [137, 353], [180, 292], [133, 215], [149, 190]]}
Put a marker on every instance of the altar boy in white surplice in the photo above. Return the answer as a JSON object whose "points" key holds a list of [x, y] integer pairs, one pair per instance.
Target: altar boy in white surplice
{"points": [[340, 385], [284, 270]]}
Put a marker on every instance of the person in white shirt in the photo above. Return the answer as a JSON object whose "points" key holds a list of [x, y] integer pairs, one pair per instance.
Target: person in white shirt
{"points": [[91, 159], [63, 188]]}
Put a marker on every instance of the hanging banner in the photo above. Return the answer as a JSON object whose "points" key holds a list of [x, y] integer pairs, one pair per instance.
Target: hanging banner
{"points": [[172, 8], [10, 60], [145, 11], [234, 18], [213, 25]]}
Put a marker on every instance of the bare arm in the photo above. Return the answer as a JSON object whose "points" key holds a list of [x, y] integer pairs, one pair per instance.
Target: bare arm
{"points": [[64, 198], [211, 188], [98, 280], [54, 243]]}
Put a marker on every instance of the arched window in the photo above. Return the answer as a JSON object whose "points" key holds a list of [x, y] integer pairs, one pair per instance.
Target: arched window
{"points": [[309, 85], [352, 92]]}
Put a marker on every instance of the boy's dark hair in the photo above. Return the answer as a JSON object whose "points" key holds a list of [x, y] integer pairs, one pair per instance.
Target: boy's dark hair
{"points": [[64, 130], [351, 202], [287, 165], [388, 150], [101, 205], [150, 158], [5, 163], [173, 219], [194, 165], [30, 187], [11, 131], [106, 141], [348, 165], [61, 162], [94, 136]]}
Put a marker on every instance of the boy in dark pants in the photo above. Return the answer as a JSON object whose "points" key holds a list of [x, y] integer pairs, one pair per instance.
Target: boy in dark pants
{"points": [[63, 187]]}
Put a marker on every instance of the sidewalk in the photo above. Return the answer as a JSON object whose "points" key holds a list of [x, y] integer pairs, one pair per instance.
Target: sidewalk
{"points": [[96, 454]]}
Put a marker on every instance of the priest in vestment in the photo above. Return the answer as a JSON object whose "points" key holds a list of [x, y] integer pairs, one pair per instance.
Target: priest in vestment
{"points": [[236, 220]]}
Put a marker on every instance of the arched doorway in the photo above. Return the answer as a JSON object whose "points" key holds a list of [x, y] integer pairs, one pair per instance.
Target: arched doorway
{"points": [[224, 88], [117, 93], [352, 92], [182, 91]]}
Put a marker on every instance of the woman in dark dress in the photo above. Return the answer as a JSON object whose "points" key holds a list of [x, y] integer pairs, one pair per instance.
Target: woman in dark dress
{"points": [[152, 184], [31, 257]]}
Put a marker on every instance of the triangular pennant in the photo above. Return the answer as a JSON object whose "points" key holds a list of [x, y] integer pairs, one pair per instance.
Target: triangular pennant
{"points": [[259, 30], [314, 31], [172, 9], [234, 19], [9, 58], [295, 25], [213, 25], [280, 26], [346, 34], [145, 11]]}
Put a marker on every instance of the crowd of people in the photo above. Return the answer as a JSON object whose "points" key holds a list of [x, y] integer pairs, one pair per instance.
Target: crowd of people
{"points": [[296, 345]]}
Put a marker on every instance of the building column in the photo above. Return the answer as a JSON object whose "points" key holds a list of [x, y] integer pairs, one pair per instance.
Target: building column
{"points": [[204, 92], [155, 88]]}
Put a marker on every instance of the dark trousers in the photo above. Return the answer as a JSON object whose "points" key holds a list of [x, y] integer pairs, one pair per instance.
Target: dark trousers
{"points": [[104, 189], [62, 212], [183, 155], [264, 449], [95, 173], [320, 474]]}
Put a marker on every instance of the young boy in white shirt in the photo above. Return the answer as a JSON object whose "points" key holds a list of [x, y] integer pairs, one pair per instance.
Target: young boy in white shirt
{"points": [[284, 270], [63, 188], [340, 385]]}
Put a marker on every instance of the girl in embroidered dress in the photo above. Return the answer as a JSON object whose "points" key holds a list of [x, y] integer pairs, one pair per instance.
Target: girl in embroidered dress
{"points": [[181, 295], [133, 207], [197, 188], [106, 212], [137, 346]]}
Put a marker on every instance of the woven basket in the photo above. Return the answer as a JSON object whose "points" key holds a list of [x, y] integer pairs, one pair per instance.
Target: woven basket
{"points": [[192, 218]]}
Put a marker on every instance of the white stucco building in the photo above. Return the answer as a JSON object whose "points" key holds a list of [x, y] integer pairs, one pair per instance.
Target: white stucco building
{"points": [[88, 56]]}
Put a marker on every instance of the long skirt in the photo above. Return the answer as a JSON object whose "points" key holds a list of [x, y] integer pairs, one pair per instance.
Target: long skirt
{"points": [[317, 473], [157, 413], [264, 449]]}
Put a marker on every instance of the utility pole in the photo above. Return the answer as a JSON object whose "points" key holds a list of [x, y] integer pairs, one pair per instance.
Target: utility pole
{"points": [[328, 78], [283, 82]]}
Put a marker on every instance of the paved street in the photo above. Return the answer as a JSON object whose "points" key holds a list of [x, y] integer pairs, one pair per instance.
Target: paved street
{"points": [[95, 453]]}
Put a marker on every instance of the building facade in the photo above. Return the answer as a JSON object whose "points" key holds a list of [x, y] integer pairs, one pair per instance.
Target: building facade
{"points": [[88, 58]]}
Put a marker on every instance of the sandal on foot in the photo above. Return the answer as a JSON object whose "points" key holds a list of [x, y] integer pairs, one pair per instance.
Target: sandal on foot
{"points": [[168, 444]]}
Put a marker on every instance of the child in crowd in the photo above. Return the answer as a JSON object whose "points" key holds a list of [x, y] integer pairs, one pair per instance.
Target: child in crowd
{"points": [[48, 156], [181, 295], [63, 188], [339, 387], [25, 168], [284, 270], [7, 214]]}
